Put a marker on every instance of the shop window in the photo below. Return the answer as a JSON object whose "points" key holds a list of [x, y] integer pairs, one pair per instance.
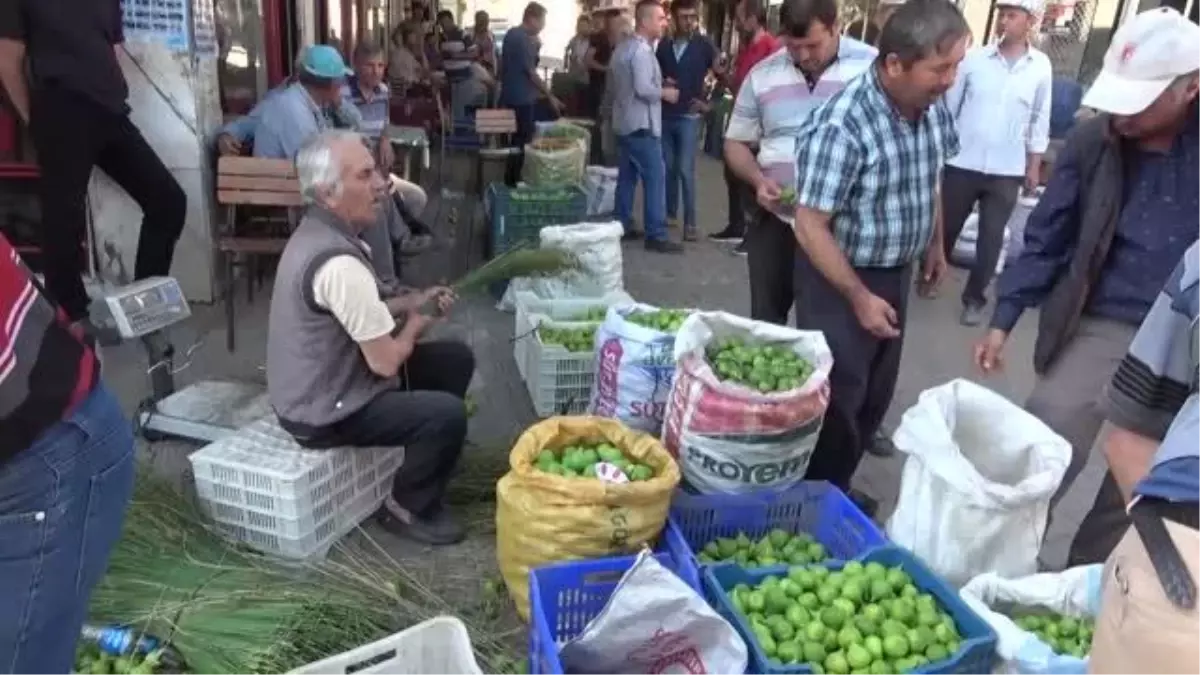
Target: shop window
{"points": [[241, 67]]}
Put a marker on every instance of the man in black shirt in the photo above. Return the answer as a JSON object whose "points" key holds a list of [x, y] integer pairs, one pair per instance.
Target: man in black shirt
{"points": [[58, 64]]}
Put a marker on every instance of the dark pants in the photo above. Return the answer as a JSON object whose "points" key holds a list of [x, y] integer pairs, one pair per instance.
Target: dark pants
{"points": [[72, 134], [741, 202], [771, 256], [526, 116], [865, 367], [62, 502], [426, 415], [996, 196]]}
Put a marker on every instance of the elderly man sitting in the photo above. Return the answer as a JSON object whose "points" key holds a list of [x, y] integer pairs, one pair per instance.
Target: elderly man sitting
{"points": [[344, 367]]}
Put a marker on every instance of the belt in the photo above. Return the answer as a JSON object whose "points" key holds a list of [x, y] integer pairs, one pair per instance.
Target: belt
{"points": [[1148, 516]]}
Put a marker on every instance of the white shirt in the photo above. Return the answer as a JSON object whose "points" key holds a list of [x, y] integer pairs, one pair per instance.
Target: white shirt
{"points": [[1002, 109]]}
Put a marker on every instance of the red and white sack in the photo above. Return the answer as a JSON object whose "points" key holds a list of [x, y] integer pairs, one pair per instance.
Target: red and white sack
{"points": [[730, 438]]}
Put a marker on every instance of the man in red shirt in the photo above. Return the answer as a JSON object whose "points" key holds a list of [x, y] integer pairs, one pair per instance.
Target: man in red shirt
{"points": [[66, 475], [755, 44]]}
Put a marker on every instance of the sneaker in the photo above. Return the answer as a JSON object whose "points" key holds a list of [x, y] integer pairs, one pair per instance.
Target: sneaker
{"points": [[689, 234], [972, 315], [436, 528], [740, 249], [728, 234], [632, 235], [881, 446], [663, 246]]}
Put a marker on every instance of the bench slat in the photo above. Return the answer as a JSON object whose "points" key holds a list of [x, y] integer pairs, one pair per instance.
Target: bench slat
{"points": [[258, 245], [256, 166], [259, 198], [257, 183]]}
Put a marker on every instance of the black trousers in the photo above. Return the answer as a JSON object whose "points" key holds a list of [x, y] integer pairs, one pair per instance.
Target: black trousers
{"points": [[426, 415], [771, 252], [865, 367], [741, 202], [996, 196], [525, 129], [71, 134]]}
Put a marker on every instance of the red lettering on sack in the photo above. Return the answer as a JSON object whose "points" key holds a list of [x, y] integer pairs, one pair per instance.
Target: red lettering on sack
{"points": [[687, 661], [669, 651], [609, 361]]}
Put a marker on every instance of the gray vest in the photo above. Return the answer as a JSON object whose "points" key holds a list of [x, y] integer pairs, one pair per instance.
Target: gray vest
{"points": [[316, 374]]}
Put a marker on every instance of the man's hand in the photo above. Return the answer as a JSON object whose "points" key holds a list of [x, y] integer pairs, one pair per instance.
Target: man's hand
{"points": [[442, 297], [933, 269], [387, 154], [768, 193], [700, 107], [989, 351], [228, 145], [670, 94], [876, 315], [416, 322], [1033, 174], [558, 105]]}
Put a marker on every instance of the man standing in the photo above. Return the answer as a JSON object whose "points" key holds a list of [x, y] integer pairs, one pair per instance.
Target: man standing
{"points": [[1148, 620], [75, 105], [1001, 103], [66, 475], [750, 20], [1119, 206], [520, 84], [867, 215], [772, 105], [638, 94], [686, 59]]}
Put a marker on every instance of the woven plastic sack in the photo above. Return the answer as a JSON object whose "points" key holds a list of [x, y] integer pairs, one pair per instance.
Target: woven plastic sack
{"points": [[544, 518], [1072, 592], [552, 162], [600, 184], [729, 438], [601, 271]]}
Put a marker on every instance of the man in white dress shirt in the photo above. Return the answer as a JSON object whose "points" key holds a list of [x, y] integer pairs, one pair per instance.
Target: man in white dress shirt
{"points": [[1001, 102]]}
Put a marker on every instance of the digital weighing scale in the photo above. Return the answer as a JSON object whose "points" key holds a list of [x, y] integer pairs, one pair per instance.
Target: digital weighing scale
{"points": [[202, 412]]}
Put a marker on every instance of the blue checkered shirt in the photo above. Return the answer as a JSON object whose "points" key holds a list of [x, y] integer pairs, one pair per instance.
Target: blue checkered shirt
{"points": [[875, 172]]}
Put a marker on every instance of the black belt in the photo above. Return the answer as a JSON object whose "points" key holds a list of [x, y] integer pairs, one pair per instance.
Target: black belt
{"points": [[1148, 516]]}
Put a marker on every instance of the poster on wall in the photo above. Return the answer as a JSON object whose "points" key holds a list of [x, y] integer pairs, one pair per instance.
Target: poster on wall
{"points": [[161, 21], [204, 33]]}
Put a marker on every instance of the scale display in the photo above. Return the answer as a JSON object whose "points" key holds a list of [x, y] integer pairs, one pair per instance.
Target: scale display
{"points": [[146, 306]]}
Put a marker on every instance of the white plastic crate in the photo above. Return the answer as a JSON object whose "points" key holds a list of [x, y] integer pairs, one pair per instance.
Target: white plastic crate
{"points": [[262, 488], [559, 381], [562, 309], [439, 645]]}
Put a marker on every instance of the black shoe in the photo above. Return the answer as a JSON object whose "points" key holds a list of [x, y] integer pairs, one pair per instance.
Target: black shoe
{"points": [[727, 234], [740, 249], [435, 529], [868, 505], [881, 446], [663, 246], [632, 235]]}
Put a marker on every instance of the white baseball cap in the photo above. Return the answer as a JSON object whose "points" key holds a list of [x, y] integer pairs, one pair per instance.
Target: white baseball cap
{"points": [[1145, 56], [1031, 6]]}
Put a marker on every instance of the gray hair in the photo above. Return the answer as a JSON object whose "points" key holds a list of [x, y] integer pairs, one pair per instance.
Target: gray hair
{"points": [[921, 28], [317, 165]]}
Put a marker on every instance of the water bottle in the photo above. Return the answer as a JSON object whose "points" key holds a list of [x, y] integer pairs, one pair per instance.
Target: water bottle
{"points": [[118, 640]]}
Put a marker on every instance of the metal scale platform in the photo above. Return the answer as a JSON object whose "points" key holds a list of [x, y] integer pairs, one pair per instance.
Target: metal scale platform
{"points": [[202, 412]]}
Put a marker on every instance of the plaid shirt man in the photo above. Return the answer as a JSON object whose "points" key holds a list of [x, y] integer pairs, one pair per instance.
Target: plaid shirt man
{"points": [[875, 172]]}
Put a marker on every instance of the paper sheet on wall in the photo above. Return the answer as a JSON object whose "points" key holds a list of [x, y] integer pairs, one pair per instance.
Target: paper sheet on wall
{"points": [[162, 21]]}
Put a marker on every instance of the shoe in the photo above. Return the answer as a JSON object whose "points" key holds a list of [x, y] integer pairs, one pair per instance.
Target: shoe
{"points": [[673, 223], [972, 315], [868, 505], [663, 246], [632, 235], [690, 234], [881, 446], [729, 234], [436, 528], [740, 249]]}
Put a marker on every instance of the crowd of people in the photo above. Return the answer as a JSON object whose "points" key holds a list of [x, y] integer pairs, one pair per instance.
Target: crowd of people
{"points": [[851, 165]]}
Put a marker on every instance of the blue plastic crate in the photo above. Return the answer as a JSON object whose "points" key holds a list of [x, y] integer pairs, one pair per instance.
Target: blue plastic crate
{"points": [[516, 216], [815, 507], [977, 650], [564, 597]]}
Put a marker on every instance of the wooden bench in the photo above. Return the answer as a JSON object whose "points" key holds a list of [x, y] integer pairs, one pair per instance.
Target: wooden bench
{"points": [[264, 185], [495, 127]]}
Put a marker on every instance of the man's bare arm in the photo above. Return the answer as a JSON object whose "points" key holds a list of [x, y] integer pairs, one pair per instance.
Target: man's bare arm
{"points": [[815, 237], [1129, 456], [12, 76], [742, 162], [385, 354]]}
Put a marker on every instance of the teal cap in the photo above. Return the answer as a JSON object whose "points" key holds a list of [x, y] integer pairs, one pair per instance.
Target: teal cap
{"points": [[324, 61]]}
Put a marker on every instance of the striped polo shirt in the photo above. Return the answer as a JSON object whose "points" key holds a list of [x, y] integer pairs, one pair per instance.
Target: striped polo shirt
{"points": [[776, 99], [46, 368], [373, 107]]}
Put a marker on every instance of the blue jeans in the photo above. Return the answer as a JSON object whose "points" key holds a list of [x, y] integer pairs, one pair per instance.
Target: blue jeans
{"points": [[639, 155], [681, 137], [62, 502]]}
